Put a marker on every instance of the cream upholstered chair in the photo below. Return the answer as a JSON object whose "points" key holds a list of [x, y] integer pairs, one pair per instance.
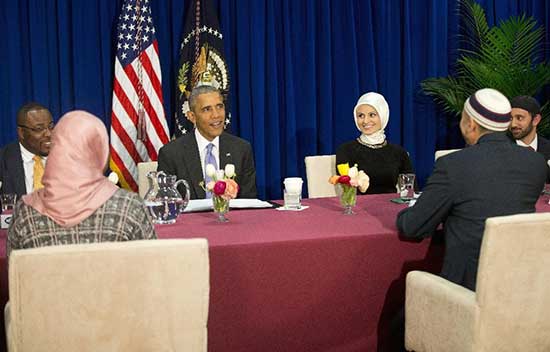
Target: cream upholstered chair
{"points": [[112, 296], [510, 309], [440, 153], [143, 169], [319, 168]]}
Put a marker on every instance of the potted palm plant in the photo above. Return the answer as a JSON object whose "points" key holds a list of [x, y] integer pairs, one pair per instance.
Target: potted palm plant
{"points": [[505, 57]]}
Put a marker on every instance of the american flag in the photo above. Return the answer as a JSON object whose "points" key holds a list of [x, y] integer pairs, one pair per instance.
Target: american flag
{"points": [[201, 55], [138, 124]]}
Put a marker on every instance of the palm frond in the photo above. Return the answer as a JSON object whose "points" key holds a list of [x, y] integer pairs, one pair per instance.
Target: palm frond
{"points": [[544, 125], [447, 91], [474, 25], [502, 57], [512, 43]]}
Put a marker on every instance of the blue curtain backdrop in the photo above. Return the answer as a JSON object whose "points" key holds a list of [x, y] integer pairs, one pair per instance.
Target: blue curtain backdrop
{"points": [[297, 68]]}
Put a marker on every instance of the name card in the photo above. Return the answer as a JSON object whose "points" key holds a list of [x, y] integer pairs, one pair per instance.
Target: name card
{"points": [[5, 220]]}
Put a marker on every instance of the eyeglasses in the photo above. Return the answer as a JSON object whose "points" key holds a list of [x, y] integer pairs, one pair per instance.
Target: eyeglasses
{"points": [[39, 129]]}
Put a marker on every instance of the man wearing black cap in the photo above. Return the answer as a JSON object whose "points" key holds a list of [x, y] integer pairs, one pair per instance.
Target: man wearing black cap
{"points": [[523, 127], [492, 177]]}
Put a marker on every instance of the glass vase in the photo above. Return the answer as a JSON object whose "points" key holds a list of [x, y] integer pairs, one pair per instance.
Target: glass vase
{"points": [[348, 197], [221, 207]]}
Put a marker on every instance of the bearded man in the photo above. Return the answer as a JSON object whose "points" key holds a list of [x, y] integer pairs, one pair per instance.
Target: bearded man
{"points": [[523, 126]]}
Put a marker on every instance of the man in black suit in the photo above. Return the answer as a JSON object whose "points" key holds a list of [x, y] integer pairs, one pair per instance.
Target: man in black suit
{"points": [[19, 160], [523, 128], [492, 177], [187, 156]]}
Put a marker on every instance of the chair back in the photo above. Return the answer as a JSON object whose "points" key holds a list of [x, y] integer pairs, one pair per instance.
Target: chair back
{"points": [[440, 153], [143, 169], [513, 284], [112, 296], [319, 169]]}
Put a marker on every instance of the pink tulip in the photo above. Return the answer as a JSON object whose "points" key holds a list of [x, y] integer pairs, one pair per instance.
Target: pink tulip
{"points": [[344, 179], [219, 188]]}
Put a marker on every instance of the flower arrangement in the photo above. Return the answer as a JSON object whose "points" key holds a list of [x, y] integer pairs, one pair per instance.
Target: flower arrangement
{"points": [[351, 176], [222, 186], [349, 180]]}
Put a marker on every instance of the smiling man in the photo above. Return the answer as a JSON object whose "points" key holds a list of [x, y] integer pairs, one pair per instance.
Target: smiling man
{"points": [[22, 163], [187, 156], [526, 116]]}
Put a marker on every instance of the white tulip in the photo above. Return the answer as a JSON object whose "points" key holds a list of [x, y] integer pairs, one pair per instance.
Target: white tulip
{"points": [[219, 175], [210, 170], [352, 173], [229, 170]]}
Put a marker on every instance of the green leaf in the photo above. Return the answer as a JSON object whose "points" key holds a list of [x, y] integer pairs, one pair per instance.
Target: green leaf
{"points": [[544, 125], [474, 24], [502, 57]]}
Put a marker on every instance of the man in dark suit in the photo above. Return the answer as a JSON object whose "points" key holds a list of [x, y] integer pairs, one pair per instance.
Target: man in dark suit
{"points": [[492, 177], [523, 128], [187, 156], [19, 160]]}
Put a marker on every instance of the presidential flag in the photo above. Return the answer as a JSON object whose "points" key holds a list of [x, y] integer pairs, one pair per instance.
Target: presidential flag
{"points": [[138, 123], [201, 59]]}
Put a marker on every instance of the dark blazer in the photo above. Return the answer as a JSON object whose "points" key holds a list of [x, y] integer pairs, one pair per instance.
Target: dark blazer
{"points": [[543, 146], [181, 157], [491, 178], [12, 173]]}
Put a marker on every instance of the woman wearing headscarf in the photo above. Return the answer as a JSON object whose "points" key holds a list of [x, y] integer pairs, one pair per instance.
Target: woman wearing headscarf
{"points": [[78, 204], [372, 153]]}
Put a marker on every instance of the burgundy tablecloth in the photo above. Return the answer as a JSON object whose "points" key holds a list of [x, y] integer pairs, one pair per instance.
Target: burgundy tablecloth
{"points": [[314, 280]]}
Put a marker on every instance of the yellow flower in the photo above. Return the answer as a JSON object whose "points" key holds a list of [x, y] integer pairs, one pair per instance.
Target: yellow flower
{"points": [[343, 169]]}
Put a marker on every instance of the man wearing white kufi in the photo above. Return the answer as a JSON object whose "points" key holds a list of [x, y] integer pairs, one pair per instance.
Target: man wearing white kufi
{"points": [[475, 183]]}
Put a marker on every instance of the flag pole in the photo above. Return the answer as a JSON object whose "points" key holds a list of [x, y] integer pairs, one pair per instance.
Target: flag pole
{"points": [[141, 126], [197, 28]]}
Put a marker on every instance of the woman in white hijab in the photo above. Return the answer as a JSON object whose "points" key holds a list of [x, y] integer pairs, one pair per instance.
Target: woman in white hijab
{"points": [[372, 153]]}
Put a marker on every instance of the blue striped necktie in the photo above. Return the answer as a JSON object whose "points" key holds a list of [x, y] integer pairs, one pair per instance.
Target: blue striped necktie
{"points": [[209, 159]]}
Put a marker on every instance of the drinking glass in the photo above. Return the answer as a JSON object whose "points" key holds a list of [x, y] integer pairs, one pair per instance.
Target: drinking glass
{"points": [[405, 186], [8, 201], [545, 195], [293, 192]]}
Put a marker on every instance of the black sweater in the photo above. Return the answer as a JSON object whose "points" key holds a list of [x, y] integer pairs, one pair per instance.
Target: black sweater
{"points": [[383, 165]]}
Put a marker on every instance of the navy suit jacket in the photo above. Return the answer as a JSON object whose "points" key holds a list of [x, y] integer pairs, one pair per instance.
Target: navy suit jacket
{"points": [[543, 146], [181, 157], [12, 173], [491, 178]]}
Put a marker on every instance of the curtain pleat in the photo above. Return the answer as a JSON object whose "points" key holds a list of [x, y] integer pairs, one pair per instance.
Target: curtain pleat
{"points": [[297, 68]]}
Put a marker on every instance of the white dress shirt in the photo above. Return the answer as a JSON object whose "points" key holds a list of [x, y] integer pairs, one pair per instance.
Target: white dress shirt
{"points": [[28, 167], [533, 144], [202, 143]]}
